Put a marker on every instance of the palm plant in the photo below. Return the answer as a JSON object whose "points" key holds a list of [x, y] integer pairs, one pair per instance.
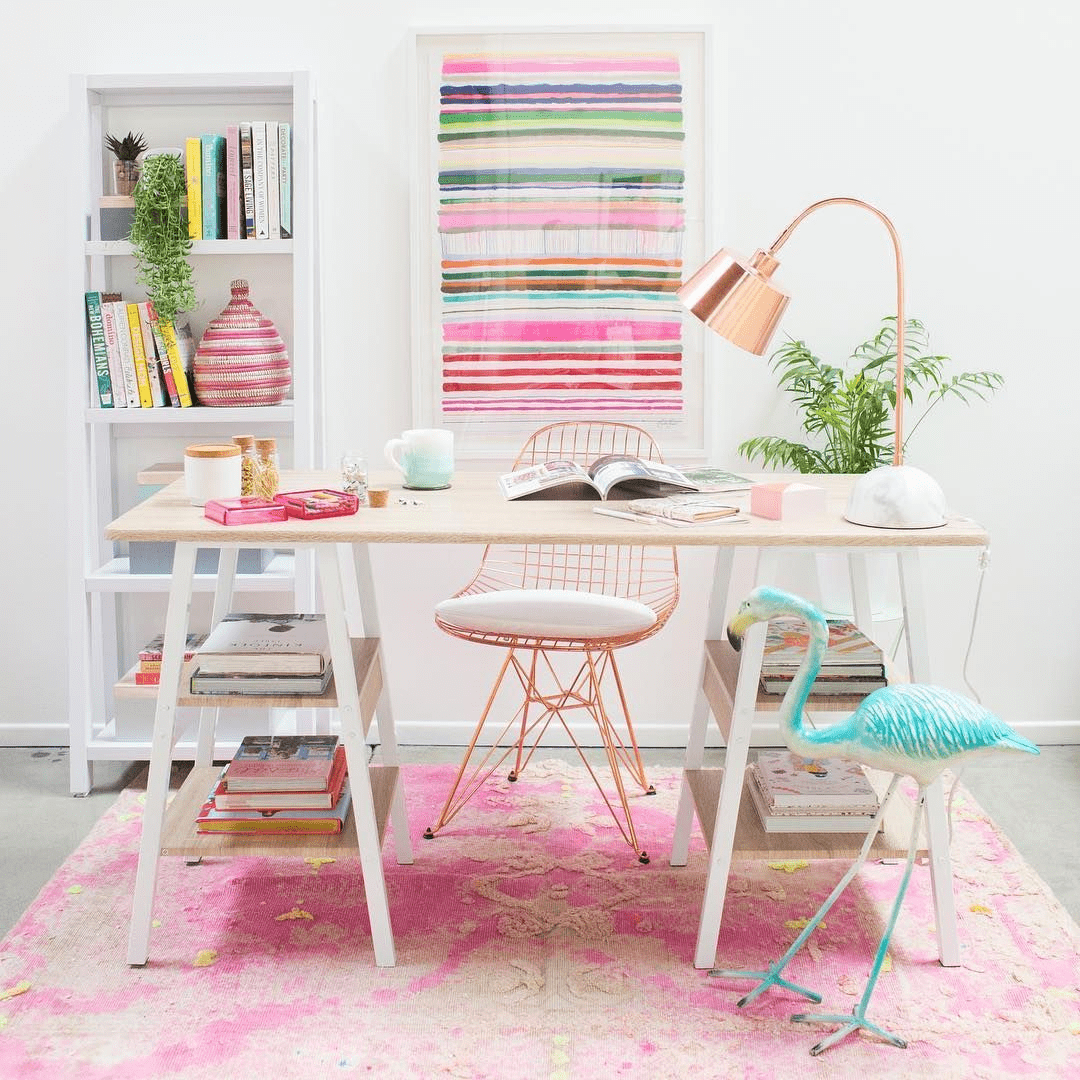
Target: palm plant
{"points": [[848, 412]]}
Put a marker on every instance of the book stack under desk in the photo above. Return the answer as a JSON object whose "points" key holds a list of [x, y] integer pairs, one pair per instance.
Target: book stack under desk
{"points": [[365, 654], [753, 842], [179, 835]]}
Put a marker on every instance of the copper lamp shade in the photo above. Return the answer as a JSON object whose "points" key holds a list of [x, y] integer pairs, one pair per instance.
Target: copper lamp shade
{"points": [[736, 298]]}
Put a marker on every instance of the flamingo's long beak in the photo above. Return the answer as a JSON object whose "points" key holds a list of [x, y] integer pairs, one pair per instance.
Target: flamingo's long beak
{"points": [[738, 626]]}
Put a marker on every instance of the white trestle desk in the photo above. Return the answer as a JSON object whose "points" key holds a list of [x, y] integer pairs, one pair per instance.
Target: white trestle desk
{"points": [[473, 512]]}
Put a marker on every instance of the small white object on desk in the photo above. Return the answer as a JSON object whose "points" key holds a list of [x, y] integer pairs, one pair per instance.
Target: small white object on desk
{"points": [[786, 500]]}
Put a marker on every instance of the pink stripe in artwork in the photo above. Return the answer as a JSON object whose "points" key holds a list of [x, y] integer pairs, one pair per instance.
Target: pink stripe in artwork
{"points": [[542, 330], [650, 218], [468, 65]]}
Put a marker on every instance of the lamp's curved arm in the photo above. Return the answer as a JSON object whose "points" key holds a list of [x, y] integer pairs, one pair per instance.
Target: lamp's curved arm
{"points": [[778, 243]]}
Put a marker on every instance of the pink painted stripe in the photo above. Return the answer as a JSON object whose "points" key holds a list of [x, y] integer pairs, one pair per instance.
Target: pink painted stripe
{"points": [[650, 219], [592, 330], [582, 63]]}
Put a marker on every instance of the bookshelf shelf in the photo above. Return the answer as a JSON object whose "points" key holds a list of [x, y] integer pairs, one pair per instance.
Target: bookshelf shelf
{"points": [[201, 415], [120, 248], [115, 576], [113, 611]]}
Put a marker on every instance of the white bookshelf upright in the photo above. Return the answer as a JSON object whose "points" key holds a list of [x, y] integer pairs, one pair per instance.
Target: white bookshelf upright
{"points": [[113, 611]]}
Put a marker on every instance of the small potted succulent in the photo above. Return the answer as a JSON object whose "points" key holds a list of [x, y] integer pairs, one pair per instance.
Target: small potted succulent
{"points": [[126, 166]]}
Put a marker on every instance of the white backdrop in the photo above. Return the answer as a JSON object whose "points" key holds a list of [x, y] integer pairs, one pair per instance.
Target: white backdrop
{"points": [[957, 120]]}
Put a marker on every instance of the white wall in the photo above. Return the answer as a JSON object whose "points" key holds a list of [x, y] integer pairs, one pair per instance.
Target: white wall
{"points": [[956, 119]]}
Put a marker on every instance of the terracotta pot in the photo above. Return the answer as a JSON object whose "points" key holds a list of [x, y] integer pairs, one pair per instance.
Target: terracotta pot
{"points": [[241, 359]]}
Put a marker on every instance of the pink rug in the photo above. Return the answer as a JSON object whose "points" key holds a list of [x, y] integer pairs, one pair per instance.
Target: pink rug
{"points": [[530, 944]]}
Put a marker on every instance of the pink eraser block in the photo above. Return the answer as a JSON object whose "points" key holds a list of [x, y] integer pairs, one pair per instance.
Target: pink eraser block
{"points": [[786, 500]]}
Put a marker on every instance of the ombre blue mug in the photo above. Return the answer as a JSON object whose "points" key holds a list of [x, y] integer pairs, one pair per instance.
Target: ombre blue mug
{"points": [[424, 456]]}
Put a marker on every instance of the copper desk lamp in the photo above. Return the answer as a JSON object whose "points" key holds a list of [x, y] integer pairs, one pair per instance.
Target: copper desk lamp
{"points": [[739, 300]]}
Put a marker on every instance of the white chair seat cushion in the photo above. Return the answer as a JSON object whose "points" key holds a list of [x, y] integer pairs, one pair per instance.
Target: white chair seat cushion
{"points": [[557, 613]]}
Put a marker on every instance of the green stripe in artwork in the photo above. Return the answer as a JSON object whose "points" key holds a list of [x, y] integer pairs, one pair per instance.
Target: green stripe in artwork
{"points": [[576, 132], [531, 177], [548, 116]]}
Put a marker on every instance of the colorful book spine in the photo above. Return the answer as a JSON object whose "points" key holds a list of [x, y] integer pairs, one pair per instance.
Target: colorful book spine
{"points": [[127, 354], [285, 178], [112, 345], [99, 353], [273, 194], [164, 357], [247, 181], [153, 367], [258, 167], [213, 186], [176, 362], [138, 352], [234, 205], [193, 172]]}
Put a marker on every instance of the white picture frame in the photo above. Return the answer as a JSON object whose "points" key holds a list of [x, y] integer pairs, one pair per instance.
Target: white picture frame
{"points": [[560, 187]]}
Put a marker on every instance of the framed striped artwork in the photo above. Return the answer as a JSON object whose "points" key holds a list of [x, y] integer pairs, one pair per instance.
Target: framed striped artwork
{"points": [[560, 187]]}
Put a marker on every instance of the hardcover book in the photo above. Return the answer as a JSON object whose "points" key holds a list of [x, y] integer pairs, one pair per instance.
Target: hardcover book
{"points": [[850, 651], [213, 187], [211, 819], [127, 354], [773, 821], [789, 782], [285, 178], [234, 199], [258, 168], [138, 352], [247, 181], [193, 177], [264, 685], [152, 649], [99, 353], [826, 685], [153, 365], [112, 348], [282, 763], [286, 800], [273, 193], [257, 643], [567, 480]]}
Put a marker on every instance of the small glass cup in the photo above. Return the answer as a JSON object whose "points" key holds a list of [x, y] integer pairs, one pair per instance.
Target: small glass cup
{"points": [[354, 476]]}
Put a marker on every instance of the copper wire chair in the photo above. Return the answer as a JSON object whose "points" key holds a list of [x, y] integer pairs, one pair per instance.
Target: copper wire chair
{"points": [[648, 576]]}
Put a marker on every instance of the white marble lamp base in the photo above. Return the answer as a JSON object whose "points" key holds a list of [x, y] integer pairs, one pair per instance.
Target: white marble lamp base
{"points": [[896, 497]]}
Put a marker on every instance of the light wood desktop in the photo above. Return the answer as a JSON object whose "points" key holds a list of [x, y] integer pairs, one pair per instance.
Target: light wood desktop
{"points": [[472, 511]]}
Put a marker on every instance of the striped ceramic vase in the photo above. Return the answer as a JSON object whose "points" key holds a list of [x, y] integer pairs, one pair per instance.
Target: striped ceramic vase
{"points": [[241, 359]]}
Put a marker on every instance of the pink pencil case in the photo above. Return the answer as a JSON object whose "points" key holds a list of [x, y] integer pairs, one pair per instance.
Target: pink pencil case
{"points": [[246, 510]]}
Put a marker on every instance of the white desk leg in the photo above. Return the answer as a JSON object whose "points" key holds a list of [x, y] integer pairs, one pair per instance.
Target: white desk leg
{"points": [[937, 822], [161, 748], [352, 734], [223, 593], [699, 720], [738, 747], [369, 614]]}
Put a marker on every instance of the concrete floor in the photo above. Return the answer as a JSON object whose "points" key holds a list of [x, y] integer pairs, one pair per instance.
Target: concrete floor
{"points": [[1032, 800]]}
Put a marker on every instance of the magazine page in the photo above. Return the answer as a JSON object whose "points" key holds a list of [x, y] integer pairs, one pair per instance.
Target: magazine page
{"points": [[645, 475], [547, 474], [708, 478]]}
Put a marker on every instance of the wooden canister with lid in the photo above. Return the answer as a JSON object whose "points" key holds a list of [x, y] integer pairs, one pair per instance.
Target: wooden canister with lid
{"points": [[212, 471]]}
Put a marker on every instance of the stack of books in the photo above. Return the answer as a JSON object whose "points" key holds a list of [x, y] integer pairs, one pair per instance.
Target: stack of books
{"points": [[261, 654], [148, 670], [796, 795], [280, 785], [852, 664]]}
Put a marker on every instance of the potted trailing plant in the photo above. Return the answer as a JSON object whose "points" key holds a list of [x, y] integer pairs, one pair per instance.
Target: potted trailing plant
{"points": [[159, 236], [126, 165], [847, 411]]}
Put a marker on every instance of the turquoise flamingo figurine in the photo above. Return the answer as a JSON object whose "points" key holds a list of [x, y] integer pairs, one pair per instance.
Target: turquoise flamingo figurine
{"points": [[906, 729]]}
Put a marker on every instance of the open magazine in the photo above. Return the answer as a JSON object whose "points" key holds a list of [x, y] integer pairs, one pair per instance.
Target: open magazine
{"points": [[611, 476]]}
